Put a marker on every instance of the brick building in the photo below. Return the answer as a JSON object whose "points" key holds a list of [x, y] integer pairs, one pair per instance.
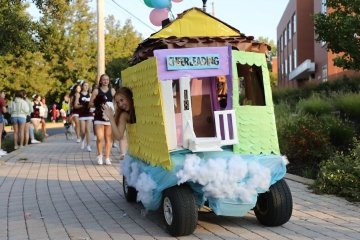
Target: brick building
{"points": [[300, 58]]}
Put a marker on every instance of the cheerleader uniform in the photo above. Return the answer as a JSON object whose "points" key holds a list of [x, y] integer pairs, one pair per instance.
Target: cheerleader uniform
{"points": [[102, 98], [84, 111], [36, 113]]}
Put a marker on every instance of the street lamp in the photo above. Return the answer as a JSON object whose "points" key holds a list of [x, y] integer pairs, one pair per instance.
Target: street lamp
{"points": [[204, 5]]}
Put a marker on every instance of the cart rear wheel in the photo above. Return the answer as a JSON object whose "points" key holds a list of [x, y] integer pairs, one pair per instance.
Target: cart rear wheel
{"points": [[129, 192], [274, 208], [180, 211]]}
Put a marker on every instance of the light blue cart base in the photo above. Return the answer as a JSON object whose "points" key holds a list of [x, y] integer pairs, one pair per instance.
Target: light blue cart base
{"points": [[229, 182]]}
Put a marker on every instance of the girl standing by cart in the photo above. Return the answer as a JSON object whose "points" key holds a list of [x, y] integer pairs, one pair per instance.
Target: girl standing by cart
{"points": [[102, 95]]}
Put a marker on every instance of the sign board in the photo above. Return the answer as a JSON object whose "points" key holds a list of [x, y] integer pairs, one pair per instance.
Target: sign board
{"points": [[183, 62]]}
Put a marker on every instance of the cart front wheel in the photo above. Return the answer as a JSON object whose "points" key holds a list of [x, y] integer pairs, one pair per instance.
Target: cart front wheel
{"points": [[180, 211], [129, 192], [274, 208]]}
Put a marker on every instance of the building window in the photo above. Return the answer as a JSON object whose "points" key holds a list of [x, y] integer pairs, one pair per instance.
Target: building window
{"points": [[286, 66], [295, 58], [294, 23], [324, 73], [290, 63], [282, 69], [289, 30], [285, 37], [323, 7]]}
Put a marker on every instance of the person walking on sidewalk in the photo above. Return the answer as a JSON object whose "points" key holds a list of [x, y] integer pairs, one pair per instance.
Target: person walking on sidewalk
{"points": [[18, 109], [28, 121], [44, 112], [75, 112], [65, 108], [102, 95], [3, 110], [124, 113], [35, 115], [82, 100], [29, 128]]}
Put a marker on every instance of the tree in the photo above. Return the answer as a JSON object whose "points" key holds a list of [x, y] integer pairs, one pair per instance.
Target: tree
{"points": [[16, 29], [273, 53], [30, 71], [120, 44], [49, 55], [271, 43], [339, 27], [81, 42]]}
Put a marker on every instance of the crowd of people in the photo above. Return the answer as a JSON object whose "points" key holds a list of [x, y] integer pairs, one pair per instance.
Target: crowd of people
{"points": [[26, 117], [101, 109]]}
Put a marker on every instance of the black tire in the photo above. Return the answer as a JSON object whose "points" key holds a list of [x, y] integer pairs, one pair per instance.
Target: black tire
{"points": [[179, 211], [129, 192], [274, 208]]}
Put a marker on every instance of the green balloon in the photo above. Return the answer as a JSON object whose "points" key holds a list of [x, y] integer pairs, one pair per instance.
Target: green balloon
{"points": [[148, 3]]}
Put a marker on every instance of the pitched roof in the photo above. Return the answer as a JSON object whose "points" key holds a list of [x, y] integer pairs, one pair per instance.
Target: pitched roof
{"points": [[196, 23], [195, 28]]}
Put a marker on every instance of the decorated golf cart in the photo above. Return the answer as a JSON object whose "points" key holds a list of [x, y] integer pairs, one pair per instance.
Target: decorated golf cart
{"points": [[205, 132]]}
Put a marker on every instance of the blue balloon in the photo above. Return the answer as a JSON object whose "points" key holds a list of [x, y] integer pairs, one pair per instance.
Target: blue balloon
{"points": [[161, 3]]}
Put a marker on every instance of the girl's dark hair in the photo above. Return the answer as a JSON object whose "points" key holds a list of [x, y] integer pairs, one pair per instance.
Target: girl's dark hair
{"points": [[23, 93], [19, 94], [126, 92], [72, 94]]}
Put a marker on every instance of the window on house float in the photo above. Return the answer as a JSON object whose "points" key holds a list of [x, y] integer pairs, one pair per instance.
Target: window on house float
{"points": [[251, 87]]}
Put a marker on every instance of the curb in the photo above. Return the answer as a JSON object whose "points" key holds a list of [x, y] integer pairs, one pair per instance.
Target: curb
{"points": [[299, 179]]}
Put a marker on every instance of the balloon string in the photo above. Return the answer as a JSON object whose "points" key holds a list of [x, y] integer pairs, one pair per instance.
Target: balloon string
{"points": [[172, 17]]}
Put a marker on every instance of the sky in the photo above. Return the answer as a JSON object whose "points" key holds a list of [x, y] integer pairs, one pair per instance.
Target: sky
{"points": [[251, 17]]}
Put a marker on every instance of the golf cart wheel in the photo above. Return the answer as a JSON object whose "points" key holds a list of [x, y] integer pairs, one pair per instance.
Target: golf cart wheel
{"points": [[129, 192], [179, 210], [274, 208]]}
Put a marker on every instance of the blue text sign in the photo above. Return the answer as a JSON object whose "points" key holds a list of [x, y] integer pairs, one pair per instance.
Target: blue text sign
{"points": [[182, 62]]}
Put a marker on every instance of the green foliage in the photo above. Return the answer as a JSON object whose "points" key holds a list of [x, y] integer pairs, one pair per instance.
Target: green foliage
{"points": [[327, 89], [16, 28], [39, 135], [341, 133], [271, 43], [320, 146], [121, 43], [29, 71], [339, 28], [292, 96], [340, 175], [273, 80], [315, 105], [7, 144], [305, 141], [348, 105], [49, 55], [284, 114]]}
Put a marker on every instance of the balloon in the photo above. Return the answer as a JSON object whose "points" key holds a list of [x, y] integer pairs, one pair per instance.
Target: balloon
{"points": [[158, 15], [177, 1], [148, 3], [161, 3]]}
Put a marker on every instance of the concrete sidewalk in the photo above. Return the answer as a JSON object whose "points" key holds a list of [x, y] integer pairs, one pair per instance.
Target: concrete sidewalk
{"points": [[54, 190]]}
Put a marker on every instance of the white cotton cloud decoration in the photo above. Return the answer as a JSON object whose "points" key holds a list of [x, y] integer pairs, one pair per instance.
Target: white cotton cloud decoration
{"points": [[141, 181], [222, 178]]}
